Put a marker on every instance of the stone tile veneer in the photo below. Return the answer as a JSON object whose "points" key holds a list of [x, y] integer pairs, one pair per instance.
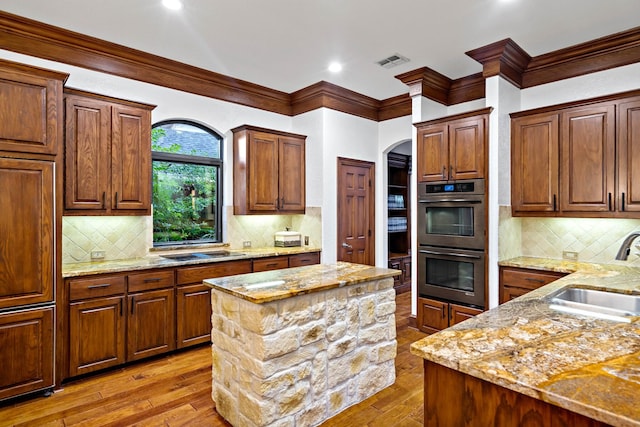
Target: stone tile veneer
{"points": [[304, 359]]}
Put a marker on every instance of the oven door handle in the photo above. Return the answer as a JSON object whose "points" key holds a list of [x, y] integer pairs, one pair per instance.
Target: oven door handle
{"points": [[422, 251], [450, 201]]}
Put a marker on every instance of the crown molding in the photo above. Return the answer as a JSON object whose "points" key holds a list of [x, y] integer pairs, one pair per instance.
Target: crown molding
{"points": [[397, 106], [329, 95], [504, 58]]}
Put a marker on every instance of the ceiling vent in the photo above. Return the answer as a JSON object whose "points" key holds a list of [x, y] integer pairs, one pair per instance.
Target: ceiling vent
{"points": [[392, 61]]}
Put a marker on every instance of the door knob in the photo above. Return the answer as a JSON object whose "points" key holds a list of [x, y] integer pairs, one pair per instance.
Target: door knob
{"points": [[346, 245]]}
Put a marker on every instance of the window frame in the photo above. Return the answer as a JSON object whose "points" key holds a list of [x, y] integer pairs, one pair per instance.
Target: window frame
{"points": [[199, 160]]}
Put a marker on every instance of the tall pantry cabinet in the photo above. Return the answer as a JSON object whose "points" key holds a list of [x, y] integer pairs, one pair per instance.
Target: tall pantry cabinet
{"points": [[30, 154]]}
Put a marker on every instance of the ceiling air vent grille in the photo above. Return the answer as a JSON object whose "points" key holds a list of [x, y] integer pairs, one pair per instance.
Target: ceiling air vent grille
{"points": [[392, 61]]}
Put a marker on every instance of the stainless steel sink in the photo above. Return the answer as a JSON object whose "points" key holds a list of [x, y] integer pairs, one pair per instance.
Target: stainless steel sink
{"points": [[200, 255], [595, 303]]}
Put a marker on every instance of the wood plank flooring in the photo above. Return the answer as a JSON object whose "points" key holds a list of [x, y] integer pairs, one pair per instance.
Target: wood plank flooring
{"points": [[175, 391]]}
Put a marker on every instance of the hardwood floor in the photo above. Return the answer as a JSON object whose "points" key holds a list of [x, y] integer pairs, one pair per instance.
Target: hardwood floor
{"points": [[175, 391]]}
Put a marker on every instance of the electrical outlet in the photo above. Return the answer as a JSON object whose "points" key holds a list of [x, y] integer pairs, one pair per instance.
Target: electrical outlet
{"points": [[573, 256], [246, 244], [97, 254]]}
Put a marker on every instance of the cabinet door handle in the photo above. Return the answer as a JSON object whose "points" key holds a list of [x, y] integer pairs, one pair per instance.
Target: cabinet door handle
{"points": [[444, 170], [120, 307], [623, 201], [450, 171], [133, 304], [554, 203], [444, 312], [282, 204], [277, 203], [101, 285], [610, 201], [116, 202], [104, 199]]}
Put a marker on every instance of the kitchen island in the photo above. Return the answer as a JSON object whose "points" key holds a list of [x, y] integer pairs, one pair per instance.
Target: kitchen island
{"points": [[297, 346], [523, 362]]}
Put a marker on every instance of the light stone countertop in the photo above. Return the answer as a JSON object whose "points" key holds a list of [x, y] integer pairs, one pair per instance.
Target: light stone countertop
{"points": [[155, 260], [280, 284], [586, 365]]}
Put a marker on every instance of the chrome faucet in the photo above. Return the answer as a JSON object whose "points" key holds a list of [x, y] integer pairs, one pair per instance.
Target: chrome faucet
{"points": [[625, 248]]}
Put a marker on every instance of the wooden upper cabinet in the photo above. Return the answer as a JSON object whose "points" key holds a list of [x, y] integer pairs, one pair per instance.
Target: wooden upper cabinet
{"points": [[433, 153], [107, 155], [268, 171], [587, 155], [628, 192], [467, 141], [577, 160], [453, 148], [27, 227], [30, 109], [534, 163]]}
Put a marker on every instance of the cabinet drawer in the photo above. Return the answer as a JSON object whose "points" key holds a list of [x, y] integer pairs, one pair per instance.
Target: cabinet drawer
{"points": [[151, 280], [189, 275], [270, 263], [529, 279], [304, 259], [96, 287]]}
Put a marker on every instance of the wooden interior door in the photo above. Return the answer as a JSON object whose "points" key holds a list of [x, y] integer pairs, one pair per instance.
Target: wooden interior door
{"points": [[356, 211]]}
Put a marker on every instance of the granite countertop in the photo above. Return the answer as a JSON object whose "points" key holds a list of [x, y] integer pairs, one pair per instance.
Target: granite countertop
{"points": [[586, 365], [280, 284], [155, 260]]}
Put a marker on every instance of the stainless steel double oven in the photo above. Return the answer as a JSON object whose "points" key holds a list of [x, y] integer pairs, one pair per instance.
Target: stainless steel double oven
{"points": [[451, 241]]}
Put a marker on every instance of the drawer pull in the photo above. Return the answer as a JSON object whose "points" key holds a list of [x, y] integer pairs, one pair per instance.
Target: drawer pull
{"points": [[531, 279], [102, 285], [272, 264], [152, 280]]}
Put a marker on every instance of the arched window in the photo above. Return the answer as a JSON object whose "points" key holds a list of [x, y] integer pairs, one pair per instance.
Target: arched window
{"points": [[187, 183]]}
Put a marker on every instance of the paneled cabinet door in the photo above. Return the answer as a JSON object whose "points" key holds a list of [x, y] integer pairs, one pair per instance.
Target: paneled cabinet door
{"points": [[26, 352], [432, 315], [27, 228], [268, 171], [263, 172], [466, 148], [534, 163], [433, 153], [452, 150], [151, 323], [587, 155], [96, 334], [629, 156], [460, 313], [30, 108], [194, 315], [107, 155], [87, 150], [291, 166]]}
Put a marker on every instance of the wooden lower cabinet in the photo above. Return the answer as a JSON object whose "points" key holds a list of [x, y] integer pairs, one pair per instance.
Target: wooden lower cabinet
{"points": [[434, 316], [452, 398], [401, 283], [96, 334], [193, 315], [150, 324], [119, 318], [515, 282], [26, 359]]}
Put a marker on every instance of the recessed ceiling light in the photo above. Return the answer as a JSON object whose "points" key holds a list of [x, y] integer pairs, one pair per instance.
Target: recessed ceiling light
{"points": [[335, 67], [172, 4]]}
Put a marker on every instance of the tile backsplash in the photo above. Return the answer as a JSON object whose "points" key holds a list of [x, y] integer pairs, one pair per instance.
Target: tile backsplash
{"points": [[125, 237], [595, 240], [120, 237]]}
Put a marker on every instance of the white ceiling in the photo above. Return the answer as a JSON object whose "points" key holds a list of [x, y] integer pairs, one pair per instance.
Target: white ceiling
{"points": [[287, 44]]}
